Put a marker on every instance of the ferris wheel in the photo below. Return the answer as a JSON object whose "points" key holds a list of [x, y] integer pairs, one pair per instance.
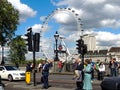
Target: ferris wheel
{"points": [[45, 26]]}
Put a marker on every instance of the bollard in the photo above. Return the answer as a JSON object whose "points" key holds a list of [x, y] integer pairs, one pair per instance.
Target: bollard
{"points": [[28, 77]]}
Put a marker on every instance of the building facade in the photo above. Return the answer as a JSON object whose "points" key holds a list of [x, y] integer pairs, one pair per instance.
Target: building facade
{"points": [[90, 41]]}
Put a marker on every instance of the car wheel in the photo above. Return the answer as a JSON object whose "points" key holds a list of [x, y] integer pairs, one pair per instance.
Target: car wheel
{"points": [[10, 78]]}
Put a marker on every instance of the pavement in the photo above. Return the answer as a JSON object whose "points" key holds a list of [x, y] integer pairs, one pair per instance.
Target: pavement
{"points": [[38, 87], [55, 84]]}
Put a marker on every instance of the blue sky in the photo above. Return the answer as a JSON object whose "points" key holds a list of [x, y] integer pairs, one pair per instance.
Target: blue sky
{"points": [[43, 8], [100, 17]]}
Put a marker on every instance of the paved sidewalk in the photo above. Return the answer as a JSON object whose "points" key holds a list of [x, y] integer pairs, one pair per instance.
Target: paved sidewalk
{"points": [[58, 86], [38, 87], [24, 86]]}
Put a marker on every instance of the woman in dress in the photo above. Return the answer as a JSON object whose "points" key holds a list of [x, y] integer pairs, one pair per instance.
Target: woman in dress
{"points": [[87, 84]]}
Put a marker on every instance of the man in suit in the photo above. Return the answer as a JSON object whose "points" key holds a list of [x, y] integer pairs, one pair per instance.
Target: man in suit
{"points": [[45, 73]]}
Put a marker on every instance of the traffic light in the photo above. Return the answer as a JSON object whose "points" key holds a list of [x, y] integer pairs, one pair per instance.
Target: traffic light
{"points": [[36, 41], [84, 49], [80, 44], [29, 39]]}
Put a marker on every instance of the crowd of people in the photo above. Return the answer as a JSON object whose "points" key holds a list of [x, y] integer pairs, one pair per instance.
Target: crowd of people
{"points": [[43, 68], [84, 72]]}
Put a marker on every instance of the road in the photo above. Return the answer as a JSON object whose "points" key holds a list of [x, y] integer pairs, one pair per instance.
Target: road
{"points": [[59, 81]]}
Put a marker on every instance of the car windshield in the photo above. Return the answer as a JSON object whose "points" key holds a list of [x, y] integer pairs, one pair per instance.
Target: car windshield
{"points": [[10, 68]]}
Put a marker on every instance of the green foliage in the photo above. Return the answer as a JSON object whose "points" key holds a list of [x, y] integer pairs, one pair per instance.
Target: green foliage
{"points": [[17, 50], [31, 61], [39, 61], [9, 19]]}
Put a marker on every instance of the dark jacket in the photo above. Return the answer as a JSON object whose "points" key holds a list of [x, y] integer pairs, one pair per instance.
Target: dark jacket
{"points": [[45, 69], [115, 64], [79, 67]]}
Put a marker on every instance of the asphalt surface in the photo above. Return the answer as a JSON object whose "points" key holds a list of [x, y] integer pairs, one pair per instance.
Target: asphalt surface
{"points": [[54, 86], [57, 82]]}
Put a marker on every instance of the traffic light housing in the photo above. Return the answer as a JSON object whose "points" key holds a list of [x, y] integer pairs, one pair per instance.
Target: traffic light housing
{"points": [[84, 49], [80, 44], [29, 39], [36, 41]]}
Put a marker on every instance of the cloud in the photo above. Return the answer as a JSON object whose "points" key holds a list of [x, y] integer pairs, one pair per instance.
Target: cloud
{"points": [[42, 18], [94, 11], [107, 39], [95, 16], [24, 10], [108, 22], [36, 28]]}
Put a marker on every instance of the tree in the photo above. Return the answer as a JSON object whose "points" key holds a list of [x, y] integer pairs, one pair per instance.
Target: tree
{"points": [[17, 50], [9, 19]]}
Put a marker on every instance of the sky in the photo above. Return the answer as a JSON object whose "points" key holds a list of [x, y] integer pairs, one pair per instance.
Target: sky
{"points": [[98, 17]]}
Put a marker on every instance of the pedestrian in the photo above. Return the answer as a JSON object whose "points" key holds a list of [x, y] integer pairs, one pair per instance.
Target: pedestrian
{"points": [[32, 65], [28, 68], [87, 84], [114, 66], [97, 68], [93, 66], [74, 66], [45, 73], [39, 67], [78, 73], [101, 71], [60, 66]]}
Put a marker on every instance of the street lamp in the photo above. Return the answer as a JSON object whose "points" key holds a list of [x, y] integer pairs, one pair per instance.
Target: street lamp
{"points": [[3, 42], [56, 36]]}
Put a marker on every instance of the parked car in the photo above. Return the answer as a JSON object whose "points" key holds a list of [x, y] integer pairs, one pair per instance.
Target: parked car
{"points": [[11, 73]]}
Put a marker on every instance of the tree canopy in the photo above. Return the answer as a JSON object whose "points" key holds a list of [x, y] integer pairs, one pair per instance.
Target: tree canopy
{"points": [[17, 50], [9, 19]]}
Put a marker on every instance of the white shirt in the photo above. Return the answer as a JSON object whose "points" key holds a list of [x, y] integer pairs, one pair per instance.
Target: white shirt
{"points": [[102, 67], [39, 65]]}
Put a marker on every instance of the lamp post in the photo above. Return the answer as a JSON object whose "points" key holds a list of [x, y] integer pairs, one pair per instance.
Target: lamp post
{"points": [[56, 36], [3, 42], [2, 62]]}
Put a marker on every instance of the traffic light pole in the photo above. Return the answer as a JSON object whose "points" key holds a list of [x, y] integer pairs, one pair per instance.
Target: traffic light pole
{"points": [[33, 46], [36, 39], [82, 58], [34, 63], [82, 49]]}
